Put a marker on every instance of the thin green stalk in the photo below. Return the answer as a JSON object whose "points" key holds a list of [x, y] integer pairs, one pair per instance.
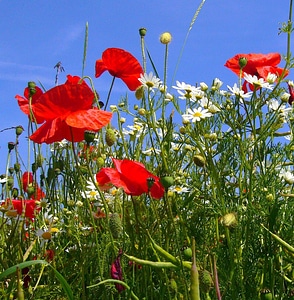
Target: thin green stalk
{"points": [[85, 48]]}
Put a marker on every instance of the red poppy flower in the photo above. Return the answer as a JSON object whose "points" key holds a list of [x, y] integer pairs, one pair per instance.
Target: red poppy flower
{"points": [[257, 64], [133, 177], [23, 102], [122, 64], [28, 207], [27, 181], [68, 112]]}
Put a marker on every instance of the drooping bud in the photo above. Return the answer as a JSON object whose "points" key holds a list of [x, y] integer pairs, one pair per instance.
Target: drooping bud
{"points": [[11, 146], [205, 281]]}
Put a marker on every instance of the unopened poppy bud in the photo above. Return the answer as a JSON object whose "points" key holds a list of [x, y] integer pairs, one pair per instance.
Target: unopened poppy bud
{"points": [[16, 167], [14, 193], [11, 146], [242, 62], [10, 181], [30, 191], [167, 181], [34, 167], [19, 130], [266, 294], [11, 170], [32, 87], [100, 162], [142, 31], [205, 281], [115, 225], [165, 38], [39, 160], [139, 92], [199, 160], [110, 137], [89, 136]]}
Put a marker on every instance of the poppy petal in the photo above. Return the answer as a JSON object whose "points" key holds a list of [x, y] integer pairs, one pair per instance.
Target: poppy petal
{"points": [[121, 64], [91, 119]]}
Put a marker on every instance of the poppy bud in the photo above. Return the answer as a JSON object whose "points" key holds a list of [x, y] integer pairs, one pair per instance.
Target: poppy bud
{"points": [[89, 136], [10, 181], [242, 62], [11, 170], [11, 146], [188, 252], [142, 31], [205, 281], [110, 137], [14, 193], [16, 167], [30, 191], [165, 38], [167, 181], [115, 225], [32, 87], [100, 162], [266, 294], [199, 160], [19, 130]]}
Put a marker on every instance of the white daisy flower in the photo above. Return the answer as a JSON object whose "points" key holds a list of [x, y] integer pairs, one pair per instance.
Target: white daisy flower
{"points": [[271, 78], [196, 114], [257, 82], [150, 81], [287, 176], [179, 189], [238, 92]]}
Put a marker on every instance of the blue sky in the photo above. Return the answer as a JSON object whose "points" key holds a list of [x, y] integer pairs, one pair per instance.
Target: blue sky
{"points": [[35, 35]]}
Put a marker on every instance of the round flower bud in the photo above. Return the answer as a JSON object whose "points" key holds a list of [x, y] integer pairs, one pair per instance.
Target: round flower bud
{"points": [[188, 252], [89, 136], [142, 31], [11, 146], [19, 130], [110, 137], [242, 62], [167, 181], [16, 167], [142, 111], [199, 160], [165, 38], [285, 97]]}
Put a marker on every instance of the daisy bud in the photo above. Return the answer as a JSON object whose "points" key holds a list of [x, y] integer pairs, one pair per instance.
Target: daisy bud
{"points": [[199, 160], [19, 130], [89, 136], [285, 97], [165, 38], [122, 120], [110, 137], [32, 87], [142, 31], [182, 130], [203, 86], [139, 93], [142, 111], [100, 162], [229, 220], [242, 62], [115, 225]]}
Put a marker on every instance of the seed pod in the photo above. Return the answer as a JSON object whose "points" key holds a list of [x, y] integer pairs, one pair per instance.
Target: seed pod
{"points": [[167, 181], [115, 225], [110, 137], [266, 294]]}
